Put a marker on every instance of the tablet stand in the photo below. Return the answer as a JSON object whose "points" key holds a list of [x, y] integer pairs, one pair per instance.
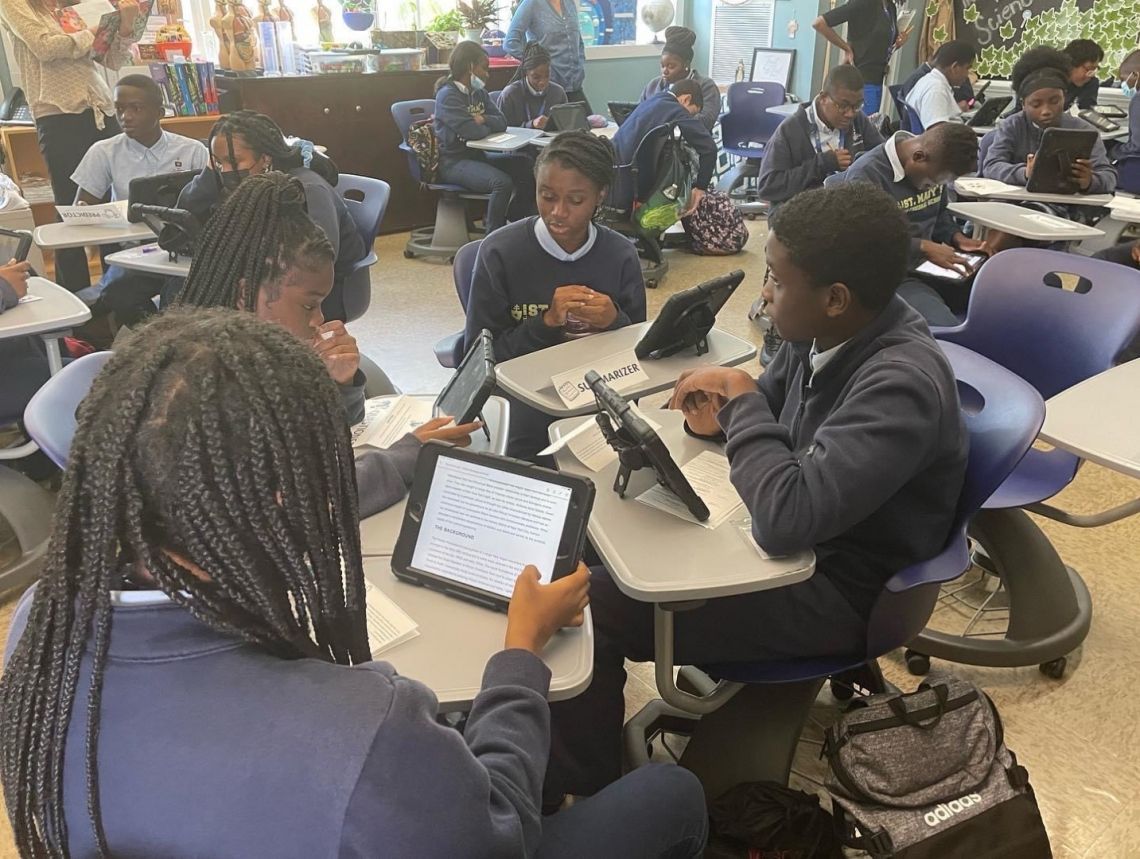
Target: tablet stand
{"points": [[692, 328], [631, 456]]}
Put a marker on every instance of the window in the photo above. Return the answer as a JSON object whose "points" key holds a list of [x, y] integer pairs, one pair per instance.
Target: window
{"points": [[737, 28]]}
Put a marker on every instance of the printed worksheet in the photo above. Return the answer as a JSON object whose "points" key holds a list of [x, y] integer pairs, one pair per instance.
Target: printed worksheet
{"points": [[388, 624], [708, 474], [388, 419]]}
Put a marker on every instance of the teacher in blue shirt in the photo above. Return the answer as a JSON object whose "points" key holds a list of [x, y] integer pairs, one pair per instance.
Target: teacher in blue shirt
{"points": [[554, 25]]}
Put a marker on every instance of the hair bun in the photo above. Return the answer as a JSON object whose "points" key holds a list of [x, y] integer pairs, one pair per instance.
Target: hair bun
{"points": [[681, 37]]}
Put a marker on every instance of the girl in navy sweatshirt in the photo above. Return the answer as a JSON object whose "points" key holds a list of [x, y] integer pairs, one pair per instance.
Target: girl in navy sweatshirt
{"points": [[261, 252], [527, 100], [542, 280], [191, 676], [464, 111]]}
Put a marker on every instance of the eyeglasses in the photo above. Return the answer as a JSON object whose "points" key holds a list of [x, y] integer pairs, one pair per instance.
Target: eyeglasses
{"points": [[846, 106]]}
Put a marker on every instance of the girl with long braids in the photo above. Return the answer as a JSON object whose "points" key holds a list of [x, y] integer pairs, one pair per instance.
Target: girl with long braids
{"points": [[191, 675], [261, 252], [527, 99], [244, 144], [542, 280]]}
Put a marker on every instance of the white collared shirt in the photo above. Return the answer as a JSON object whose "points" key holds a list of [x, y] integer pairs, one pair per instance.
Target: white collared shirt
{"points": [[819, 360], [548, 243], [892, 149], [111, 164], [829, 138], [933, 100]]}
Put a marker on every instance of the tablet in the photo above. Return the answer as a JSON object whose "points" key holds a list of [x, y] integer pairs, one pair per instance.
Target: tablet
{"points": [[688, 317], [987, 114], [474, 520], [638, 445], [464, 395], [620, 110], [1053, 163], [567, 117], [177, 229], [14, 244], [161, 190]]}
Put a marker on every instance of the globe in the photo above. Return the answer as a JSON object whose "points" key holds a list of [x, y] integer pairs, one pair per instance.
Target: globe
{"points": [[657, 14]]}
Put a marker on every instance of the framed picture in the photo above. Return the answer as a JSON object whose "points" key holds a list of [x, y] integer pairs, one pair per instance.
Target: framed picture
{"points": [[773, 64]]}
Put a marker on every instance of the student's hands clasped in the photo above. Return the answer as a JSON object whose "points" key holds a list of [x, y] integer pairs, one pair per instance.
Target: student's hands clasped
{"points": [[442, 429], [338, 349], [538, 611], [702, 391], [16, 273], [596, 308]]}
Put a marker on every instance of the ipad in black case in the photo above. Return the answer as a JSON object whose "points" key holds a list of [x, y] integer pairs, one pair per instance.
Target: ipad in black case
{"points": [[467, 391], [688, 317]]}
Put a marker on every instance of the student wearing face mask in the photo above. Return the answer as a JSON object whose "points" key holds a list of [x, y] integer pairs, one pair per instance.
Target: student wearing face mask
{"points": [[245, 143], [527, 99], [463, 112], [677, 65], [914, 171], [1085, 55], [1130, 148]]}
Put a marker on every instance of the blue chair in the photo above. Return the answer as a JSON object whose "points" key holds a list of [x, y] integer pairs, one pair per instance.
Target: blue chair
{"points": [[745, 129], [452, 228], [367, 201], [450, 350], [50, 416], [1128, 174], [916, 126], [1054, 319], [753, 735], [900, 107]]}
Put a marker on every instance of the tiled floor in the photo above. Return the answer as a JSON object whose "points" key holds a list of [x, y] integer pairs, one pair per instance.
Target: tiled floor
{"points": [[1079, 736]]}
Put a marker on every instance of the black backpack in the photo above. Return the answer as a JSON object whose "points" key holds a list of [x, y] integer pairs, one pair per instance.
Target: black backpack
{"points": [[765, 820]]}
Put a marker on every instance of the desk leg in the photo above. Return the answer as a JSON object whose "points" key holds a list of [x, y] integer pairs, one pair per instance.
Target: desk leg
{"points": [[663, 658], [55, 360]]}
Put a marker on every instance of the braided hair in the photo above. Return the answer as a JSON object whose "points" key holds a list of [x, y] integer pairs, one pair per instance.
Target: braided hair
{"points": [[534, 56], [464, 57], [265, 137], [211, 456], [580, 150], [258, 234]]}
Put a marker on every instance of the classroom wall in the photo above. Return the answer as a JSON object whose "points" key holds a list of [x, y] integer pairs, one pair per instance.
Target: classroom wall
{"points": [[620, 79]]}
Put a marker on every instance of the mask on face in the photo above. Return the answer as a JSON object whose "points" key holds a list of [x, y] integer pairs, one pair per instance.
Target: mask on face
{"points": [[231, 179], [1127, 89], [477, 83]]}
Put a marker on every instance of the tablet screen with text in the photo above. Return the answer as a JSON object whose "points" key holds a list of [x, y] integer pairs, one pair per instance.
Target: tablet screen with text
{"points": [[482, 525]]}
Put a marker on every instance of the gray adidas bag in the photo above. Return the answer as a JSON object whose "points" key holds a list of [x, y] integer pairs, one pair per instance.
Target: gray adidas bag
{"points": [[928, 776]]}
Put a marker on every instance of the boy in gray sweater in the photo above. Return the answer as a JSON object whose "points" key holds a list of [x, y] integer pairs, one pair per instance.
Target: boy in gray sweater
{"points": [[851, 443]]}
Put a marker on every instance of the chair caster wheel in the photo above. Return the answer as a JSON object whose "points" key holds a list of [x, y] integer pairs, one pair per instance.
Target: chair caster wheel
{"points": [[451, 260], [409, 255], [651, 284], [917, 664], [841, 692], [1054, 669]]}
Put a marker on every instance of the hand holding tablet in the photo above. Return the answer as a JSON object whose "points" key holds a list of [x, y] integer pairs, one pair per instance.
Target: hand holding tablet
{"points": [[537, 611]]}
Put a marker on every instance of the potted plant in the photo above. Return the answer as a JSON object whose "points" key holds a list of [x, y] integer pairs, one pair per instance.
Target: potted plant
{"points": [[445, 22], [476, 15]]}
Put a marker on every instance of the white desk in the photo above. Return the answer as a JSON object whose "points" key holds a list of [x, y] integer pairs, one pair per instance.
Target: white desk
{"points": [[1022, 195], [608, 131], [59, 236], [378, 533], [1023, 223], [528, 376], [1097, 419], [511, 140], [457, 638], [150, 259], [655, 557], [51, 318], [786, 109]]}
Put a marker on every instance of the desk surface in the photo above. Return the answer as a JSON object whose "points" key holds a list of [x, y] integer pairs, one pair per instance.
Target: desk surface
{"points": [[59, 236], [1023, 195], [506, 141], [528, 376], [1024, 223], [608, 130], [378, 533], [657, 557], [152, 259], [457, 638], [57, 311], [1097, 419]]}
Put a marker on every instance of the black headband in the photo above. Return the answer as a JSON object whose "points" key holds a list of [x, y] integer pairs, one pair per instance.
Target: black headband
{"points": [[1047, 78]]}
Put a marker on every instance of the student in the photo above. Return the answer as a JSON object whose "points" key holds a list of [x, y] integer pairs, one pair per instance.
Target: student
{"points": [[1125, 253], [67, 94], [1085, 57], [463, 112], [261, 252], [554, 25], [872, 37], [677, 65], [191, 676], [1040, 78], [245, 143], [679, 104], [932, 97], [541, 280], [24, 360], [963, 95], [866, 470], [527, 100], [1130, 147], [914, 172], [820, 138], [105, 174]]}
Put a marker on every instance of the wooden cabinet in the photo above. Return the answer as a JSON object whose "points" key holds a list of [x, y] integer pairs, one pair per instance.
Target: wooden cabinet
{"points": [[351, 115]]}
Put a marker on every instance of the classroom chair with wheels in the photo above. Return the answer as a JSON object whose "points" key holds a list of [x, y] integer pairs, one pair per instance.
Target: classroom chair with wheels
{"points": [[1054, 319], [453, 228], [747, 719], [916, 126], [450, 350], [745, 128], [900, 107], [367, 201]]}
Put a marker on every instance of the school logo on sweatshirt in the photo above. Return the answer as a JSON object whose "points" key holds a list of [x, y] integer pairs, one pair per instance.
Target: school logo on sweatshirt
{"points": [[525, 311], [922, 200]]}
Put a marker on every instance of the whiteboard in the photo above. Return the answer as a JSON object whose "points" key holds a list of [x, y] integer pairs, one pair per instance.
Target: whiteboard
{"points": [[772, 64]]}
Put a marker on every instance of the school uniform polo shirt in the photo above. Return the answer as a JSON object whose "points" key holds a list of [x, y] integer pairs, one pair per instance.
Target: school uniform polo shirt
{"points": [[111, 164], [932, 98]]}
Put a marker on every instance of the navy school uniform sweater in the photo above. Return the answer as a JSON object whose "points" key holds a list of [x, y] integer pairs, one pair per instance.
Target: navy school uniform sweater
{"points": [[793, 164], [454, 120], [863, 460], [1017, 137], [710, 93], [520, 107], [210, 746]]}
